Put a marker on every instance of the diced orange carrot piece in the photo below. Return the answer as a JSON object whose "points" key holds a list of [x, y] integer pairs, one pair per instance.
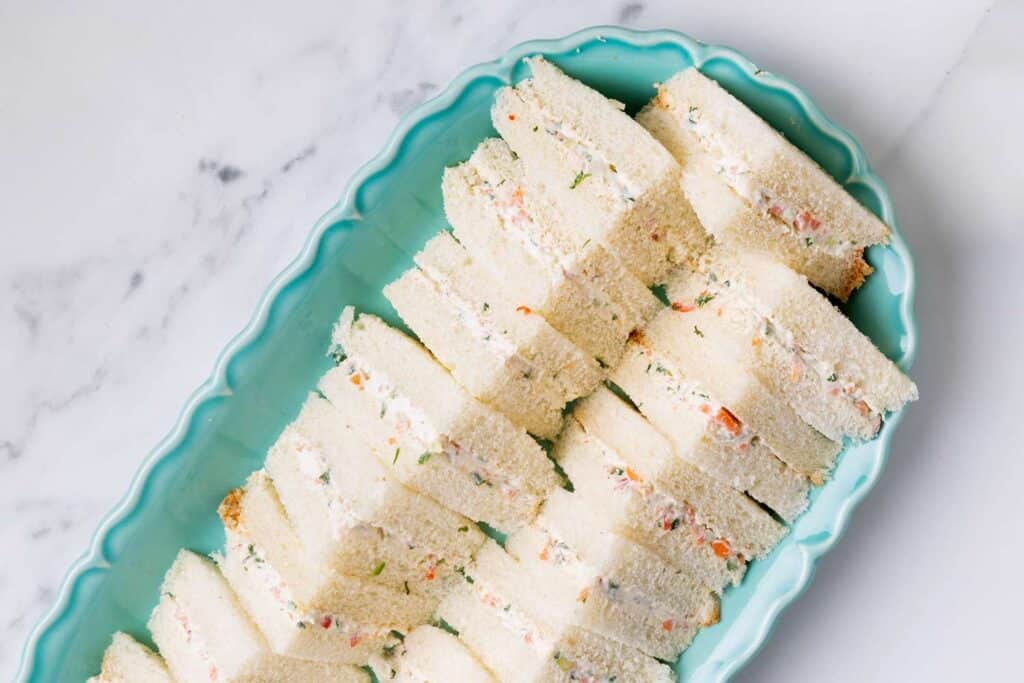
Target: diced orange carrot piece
{"points": [[729, 421]]}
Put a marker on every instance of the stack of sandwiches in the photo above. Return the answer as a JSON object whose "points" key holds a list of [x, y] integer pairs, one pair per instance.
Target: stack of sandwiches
{"points": [[684, 438]]}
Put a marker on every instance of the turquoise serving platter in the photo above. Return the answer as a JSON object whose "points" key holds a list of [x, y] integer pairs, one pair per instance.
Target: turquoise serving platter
{"points": [[389, 210]]}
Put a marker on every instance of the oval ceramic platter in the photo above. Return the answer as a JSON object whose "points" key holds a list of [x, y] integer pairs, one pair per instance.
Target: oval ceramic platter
{"points": [[390, 209]]}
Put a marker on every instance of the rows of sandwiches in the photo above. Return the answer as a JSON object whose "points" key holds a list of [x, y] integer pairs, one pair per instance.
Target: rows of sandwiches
{"points": [[632, 453]]}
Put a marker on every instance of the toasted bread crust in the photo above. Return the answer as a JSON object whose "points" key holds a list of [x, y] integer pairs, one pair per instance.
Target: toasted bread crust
{"points": [[855, 277], [230, 509]]}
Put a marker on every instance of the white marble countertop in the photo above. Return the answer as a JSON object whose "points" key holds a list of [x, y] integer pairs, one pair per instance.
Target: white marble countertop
{"points": [[160, 162]]}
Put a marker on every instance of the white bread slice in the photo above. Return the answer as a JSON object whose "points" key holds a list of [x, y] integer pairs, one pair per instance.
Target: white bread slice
{"points": [[730, 381], [610, 177], [707, 432], [504, 219], [351, 514], [797, 342], [608, 584], [262, 542], [496, 614], [788, 206], [627, 502], [205, 635], [128, 661], [748, 530], [430, 654], [497, 348], [456, 449]]}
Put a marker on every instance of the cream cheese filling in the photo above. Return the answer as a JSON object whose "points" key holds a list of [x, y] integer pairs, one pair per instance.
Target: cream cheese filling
{"points": [[593, 582], [672, 515], [194, 639], [478, 322], [591, 160], [316, 472], [514, 619], [721, 423], [519, 623]]}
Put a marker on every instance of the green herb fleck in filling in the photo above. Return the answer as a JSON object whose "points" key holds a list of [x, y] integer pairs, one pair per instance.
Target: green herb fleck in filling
{"points": [[580, 177], [253, 555]]}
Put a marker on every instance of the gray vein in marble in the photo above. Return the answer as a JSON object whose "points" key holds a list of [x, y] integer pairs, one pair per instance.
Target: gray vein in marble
{"points": [[401, 102], [630, 12], [235, 224], [929, 104], [134, 282], [14, 447], [298, 159]]}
